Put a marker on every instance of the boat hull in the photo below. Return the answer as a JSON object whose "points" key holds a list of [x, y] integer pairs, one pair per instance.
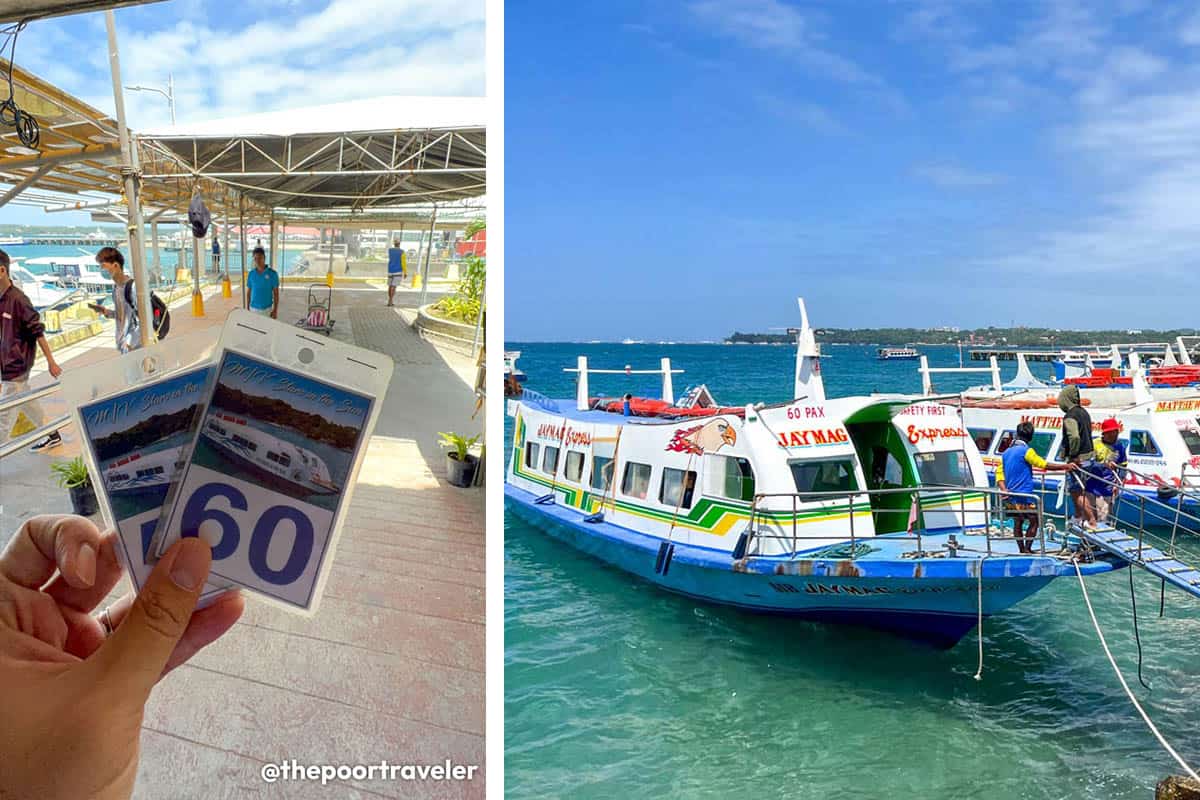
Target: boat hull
{"points": [[289, 487], [935, 610]]}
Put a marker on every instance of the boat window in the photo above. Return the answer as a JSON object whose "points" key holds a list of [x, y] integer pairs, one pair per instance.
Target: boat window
{"points": [[730, 476], [214, 426], [1042, 442], [1191, 437], [285, 460], [602, 469], [550, 460], [948, 468], [532, 451], [983, 438], [574, 467], [1141, 443], [636, 482], [246, 443], [678, 487], [826, 475], [1006, 440]]}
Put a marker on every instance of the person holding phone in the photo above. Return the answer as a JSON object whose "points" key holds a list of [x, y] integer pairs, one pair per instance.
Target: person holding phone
{"points": [[127, 330]]}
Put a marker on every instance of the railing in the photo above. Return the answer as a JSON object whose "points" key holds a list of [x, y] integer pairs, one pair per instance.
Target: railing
{"points": [[1151, 512], [768, 519], [17, 400]]}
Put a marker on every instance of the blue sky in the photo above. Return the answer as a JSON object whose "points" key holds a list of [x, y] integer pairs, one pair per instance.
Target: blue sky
{"points": [[234, 59], [121, 413], [685, 168]]}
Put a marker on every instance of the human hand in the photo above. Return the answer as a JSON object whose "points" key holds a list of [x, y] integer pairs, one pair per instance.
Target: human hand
{"points": [[274, 313], [1072, 467], [55, 369], [72, 713]]}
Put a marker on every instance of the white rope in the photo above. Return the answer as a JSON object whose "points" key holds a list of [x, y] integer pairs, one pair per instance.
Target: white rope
{"points": [[979, 625], [1191, 772]]}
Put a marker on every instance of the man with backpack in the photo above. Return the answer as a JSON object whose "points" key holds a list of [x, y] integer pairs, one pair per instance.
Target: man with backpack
{"points": [[124, 310]]}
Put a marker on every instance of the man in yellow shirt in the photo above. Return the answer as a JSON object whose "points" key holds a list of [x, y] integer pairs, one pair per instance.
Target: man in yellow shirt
{"points": [[1014, 477]]}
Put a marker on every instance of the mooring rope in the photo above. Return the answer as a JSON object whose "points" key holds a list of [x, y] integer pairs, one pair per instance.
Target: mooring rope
{"points": [[979, 622], [1137, 637], [1166, 746]]}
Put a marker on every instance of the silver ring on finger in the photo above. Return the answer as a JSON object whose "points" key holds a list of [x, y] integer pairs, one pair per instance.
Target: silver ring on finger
{"points": [[106, 621]]}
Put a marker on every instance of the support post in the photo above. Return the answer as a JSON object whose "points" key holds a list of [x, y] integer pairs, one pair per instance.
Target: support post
{"points": [[329, 273], [478, 323], [242, 219], [282, 251], [581, 384], [668, 389], [197, 262], [428, 250], [154, 247], [129, 173]]}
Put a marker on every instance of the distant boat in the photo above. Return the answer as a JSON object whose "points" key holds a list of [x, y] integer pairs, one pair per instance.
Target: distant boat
{"points": [[75, 272], [290, 467], [136, 473], [896, 353], [632, 341], [40, 293], [11, 241]]}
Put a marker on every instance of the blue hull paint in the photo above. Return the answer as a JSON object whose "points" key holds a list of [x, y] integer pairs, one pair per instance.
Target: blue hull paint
{"points": [[939, 607]]}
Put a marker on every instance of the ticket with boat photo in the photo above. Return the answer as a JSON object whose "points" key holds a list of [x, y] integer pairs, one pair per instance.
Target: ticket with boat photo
{"points": [[135, 440], [274, 457]]}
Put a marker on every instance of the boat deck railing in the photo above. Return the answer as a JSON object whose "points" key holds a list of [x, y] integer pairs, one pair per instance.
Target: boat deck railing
{"points": [[987, 520]]}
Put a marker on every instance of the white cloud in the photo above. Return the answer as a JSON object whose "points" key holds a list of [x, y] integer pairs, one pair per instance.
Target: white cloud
{"points": [[952, 176], [288, 58]]}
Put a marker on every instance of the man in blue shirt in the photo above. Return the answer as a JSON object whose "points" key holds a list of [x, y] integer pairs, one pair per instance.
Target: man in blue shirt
{"points": [[216, 250], [395, 269], [263, 283]]}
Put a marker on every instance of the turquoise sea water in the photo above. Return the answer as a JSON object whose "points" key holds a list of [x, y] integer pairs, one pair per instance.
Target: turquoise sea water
{"points": [[614, 689], [166, 257]]}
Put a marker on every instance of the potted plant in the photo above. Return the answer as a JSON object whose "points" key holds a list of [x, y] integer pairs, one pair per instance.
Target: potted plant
{"points": [[460, 464], [73, 476]]}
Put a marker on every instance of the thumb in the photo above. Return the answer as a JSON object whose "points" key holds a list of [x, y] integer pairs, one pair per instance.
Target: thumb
{"points": [[133, 658]]}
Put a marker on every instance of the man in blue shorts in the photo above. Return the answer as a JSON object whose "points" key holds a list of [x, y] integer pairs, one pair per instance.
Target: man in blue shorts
{"points": [[395, 269], [263, 285], [1109, 467], [1014, 477]]}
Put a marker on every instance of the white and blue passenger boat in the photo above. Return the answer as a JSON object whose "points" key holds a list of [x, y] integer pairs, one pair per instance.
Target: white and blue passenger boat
{"points": [[872, 511]]}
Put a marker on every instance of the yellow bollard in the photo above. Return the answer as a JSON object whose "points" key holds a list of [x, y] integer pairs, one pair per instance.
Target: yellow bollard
{"points": [[417, 280], [329, 279], [226, 288], [197, 304]]}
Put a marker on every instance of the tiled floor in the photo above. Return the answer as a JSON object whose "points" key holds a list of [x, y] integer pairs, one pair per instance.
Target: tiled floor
{"points": [[391, 667]]}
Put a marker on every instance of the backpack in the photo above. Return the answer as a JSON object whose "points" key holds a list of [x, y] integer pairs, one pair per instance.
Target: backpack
{"points": [[160, 312]]}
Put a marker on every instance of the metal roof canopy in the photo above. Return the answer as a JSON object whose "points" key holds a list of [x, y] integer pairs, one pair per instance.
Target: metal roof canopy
{"points": [[79, 153], [451, 216], [385, 151], [18, 10]]}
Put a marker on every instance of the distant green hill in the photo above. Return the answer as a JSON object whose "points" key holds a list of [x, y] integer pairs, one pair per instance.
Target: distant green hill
{"points": [[978, 337]]}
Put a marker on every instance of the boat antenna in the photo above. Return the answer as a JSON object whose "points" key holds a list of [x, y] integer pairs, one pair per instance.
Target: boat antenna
{"points": [[808, 361]]}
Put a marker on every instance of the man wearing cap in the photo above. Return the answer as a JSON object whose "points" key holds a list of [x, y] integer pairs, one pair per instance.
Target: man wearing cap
{"points": [[263, 283], [1111, 460], [1077, 448]]}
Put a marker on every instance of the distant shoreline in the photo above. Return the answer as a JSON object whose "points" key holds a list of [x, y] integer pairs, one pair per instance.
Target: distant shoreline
{"points": [[982, 337]]}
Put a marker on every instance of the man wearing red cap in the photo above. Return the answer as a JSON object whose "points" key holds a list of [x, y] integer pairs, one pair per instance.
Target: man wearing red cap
{"points": [[1111, 460]]}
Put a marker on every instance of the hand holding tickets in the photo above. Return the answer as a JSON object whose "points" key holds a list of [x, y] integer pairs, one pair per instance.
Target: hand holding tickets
{"points": [[73, 697]]}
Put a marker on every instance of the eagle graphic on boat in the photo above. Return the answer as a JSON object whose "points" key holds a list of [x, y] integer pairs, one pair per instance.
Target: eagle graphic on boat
{"points": [[289, 467], [135, 473], [700, 439]]}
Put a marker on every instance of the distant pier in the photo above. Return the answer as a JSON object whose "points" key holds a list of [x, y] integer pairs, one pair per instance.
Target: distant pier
{"points": [[79, 241], [1010, 355]]}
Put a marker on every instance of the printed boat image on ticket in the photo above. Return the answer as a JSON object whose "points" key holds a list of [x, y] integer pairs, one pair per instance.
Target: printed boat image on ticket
{"points": [[282, 430]]}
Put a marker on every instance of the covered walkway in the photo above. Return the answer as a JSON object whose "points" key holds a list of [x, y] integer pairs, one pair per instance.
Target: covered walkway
{"points": [[392, 665]]}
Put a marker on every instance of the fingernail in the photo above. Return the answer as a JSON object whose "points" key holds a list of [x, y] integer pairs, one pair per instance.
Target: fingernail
{"points": [[191, 564], [85, 564]]}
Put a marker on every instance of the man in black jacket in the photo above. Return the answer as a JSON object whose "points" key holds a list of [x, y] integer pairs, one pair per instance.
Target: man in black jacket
{"points": [[20, 329]]}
